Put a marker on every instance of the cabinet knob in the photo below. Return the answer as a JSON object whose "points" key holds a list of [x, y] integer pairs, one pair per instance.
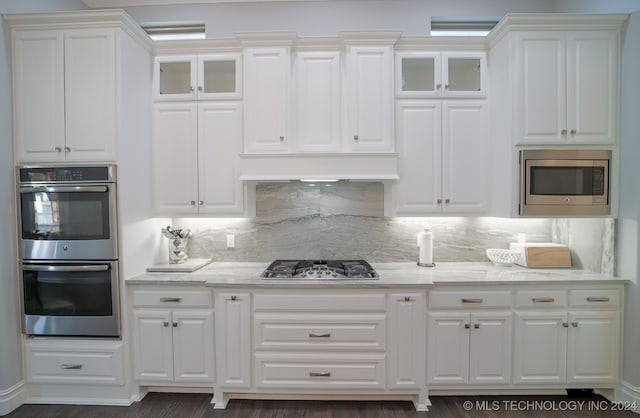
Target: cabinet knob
{"points": [[476, 326], [438, 86], [467, 326], [574, 324], [57, 149], [200, 88], [439, 201], [193, 203], [67, 149], [175, 325], [573, 132], [355, 137], [447, 201], [165, 324], [407, 299], [190, 89], [446, 86], [565, 324], [563, 132], [233, 298], [201, 202], [281, 138]]}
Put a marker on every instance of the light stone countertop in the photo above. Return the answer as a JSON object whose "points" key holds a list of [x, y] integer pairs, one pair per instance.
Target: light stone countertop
{"points": [[392, 275]]}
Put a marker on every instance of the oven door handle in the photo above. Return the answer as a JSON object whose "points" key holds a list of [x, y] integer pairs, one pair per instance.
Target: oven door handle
{"points": [[65, 189], [47, 267]]}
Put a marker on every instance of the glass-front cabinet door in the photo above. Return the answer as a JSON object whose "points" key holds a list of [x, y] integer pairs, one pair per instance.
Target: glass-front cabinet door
{"points": [[192, 77], [435, 74]]}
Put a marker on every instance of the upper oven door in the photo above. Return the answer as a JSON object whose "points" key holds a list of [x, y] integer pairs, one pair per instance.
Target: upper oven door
{"points": [[67, 222]]}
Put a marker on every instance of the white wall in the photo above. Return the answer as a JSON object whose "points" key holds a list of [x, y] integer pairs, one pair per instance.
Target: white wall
{"points": [[629, 218], [10, 346]]}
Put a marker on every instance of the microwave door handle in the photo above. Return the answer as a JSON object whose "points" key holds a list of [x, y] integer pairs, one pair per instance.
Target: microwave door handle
{"points": [[97, 267], [65, 189]]}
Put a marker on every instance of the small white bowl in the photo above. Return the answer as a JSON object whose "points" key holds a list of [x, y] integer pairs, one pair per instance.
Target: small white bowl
{"points": [[502, 257]]}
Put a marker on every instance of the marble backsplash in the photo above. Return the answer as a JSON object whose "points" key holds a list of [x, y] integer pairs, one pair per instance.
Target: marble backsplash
{"points": [[345, 220]]}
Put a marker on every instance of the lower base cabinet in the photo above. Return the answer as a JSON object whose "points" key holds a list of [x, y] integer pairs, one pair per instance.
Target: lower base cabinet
{"points": [[173, 336]]}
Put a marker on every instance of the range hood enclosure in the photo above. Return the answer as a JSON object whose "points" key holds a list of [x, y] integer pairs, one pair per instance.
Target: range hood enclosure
{"points": [[270, 167]]}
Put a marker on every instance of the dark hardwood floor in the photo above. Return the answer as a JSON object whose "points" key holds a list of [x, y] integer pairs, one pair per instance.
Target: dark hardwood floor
{"points": [[165, 405]]}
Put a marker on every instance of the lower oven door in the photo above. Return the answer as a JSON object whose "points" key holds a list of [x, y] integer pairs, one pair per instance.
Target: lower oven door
{"points": [[70, 298]]}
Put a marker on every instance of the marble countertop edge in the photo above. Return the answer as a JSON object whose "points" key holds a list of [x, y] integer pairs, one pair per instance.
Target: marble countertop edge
{"points": [[392, 275]]}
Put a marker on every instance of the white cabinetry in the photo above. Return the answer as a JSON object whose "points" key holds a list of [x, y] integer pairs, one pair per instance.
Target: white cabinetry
{"points": [[574, 344], [406, 336], [196, 157], [443, 157], [267, 73], [65, 87], [198, 77], [173, 336], [319, 97], [436, 74], [469, 347], [233, 333], [566, 87], [370, 98]]}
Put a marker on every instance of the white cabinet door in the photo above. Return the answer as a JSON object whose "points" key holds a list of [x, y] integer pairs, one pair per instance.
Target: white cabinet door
{"points": [[369, 98], [38, 83], [219, 76], [218, 151], [464, 74], [447, 348], [540, 87], [90, 94], [266, 85], [175, 151], [175, 77], [406, 340], [419, 136], [594, 347], [233, 336], [592, 74], [153, 345], [318, 107], [465, 155], [193, 346], [490, 348], [540, 347]]}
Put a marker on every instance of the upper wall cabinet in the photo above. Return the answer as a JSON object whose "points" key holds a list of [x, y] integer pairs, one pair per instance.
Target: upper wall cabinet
{"points": [[64, 94], [198, 77], [69, 76], [266, 101], [435, 74], [370, 98], [566, 87]]}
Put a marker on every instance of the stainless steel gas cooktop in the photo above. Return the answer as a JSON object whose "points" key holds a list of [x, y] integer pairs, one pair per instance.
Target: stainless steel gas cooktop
{"points": [[320, 270]]}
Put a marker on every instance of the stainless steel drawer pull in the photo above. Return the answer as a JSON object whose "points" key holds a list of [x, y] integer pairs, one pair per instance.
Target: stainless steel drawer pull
{"points": [[319, 374], [319, 335], [543, 299], [170, 299], [598, 299], [71, 366], [471, 300]]}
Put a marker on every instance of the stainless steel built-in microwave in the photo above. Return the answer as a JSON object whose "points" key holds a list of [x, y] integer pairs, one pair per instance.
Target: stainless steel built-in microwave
{"points": [[564, 182]]}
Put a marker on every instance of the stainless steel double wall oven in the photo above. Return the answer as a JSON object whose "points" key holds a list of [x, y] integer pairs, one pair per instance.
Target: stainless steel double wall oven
{"points": [[68, 247]]}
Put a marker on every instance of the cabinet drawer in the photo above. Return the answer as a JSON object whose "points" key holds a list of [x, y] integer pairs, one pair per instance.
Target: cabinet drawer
{"points": [[326, 371], [319, 302], [464, 299], [594, 298], [92, 364], [541, 299], [319, 331], [172, 298]]}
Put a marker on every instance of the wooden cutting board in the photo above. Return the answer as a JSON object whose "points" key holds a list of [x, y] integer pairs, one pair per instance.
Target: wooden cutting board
{"points": [[542, 255]]}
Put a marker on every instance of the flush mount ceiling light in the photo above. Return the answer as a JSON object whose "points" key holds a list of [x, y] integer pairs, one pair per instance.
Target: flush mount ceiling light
{"points": [[174, 31], [319, 180], [462, 26]]}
